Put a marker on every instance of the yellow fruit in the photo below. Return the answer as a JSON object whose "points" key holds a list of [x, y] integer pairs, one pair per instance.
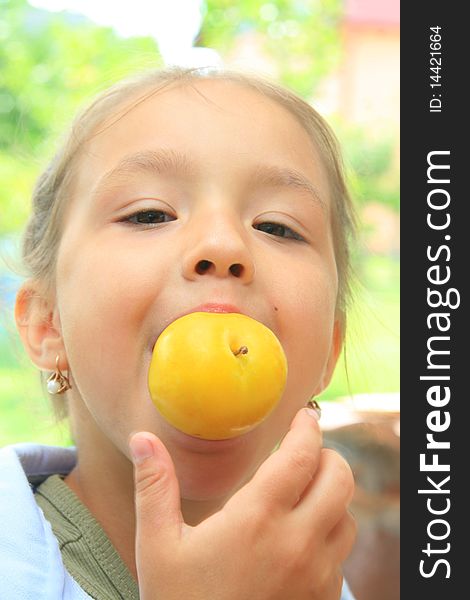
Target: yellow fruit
{"points": [[216, 375]]}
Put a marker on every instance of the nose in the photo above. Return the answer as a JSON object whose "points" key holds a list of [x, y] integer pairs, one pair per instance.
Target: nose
{"points": [[218, 249]]}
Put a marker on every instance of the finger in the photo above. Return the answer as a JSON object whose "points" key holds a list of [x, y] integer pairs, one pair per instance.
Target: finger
{"points": [[341, 539], [157, 499], [328, 496], [283, 477]]}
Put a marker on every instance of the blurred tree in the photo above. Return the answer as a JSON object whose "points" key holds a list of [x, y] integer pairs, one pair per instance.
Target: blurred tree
{"points": [[302, 36], [372, 162], [49, 64]]}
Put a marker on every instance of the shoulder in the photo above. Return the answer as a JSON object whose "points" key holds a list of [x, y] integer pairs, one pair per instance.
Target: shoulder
{"points": [[36, 462]]}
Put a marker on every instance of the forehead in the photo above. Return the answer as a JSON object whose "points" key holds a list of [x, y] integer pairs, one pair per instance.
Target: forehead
{"points": [[223, 125]]}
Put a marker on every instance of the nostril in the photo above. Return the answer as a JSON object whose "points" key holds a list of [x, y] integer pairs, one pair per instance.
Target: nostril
{"points": [[236, 269], [202, 266]]}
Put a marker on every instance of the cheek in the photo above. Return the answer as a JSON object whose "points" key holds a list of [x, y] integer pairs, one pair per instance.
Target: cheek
{"points": [[307, 331], [105, 310]]}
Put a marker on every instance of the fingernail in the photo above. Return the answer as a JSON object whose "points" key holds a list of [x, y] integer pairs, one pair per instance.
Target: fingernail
{"points": [[141, 448], [313, 410]]}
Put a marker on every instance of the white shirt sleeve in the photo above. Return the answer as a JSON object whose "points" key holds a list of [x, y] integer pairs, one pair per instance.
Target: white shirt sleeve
{"points": [[31, 566]]}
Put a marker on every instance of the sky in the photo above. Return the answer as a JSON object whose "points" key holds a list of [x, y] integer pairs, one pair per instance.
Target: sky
{"points": [[173, 24]]}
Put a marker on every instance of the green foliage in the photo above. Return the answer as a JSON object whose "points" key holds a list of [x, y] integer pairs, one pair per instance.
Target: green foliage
{"points": [[300, 37], [17, 177], [371, 356], [50, 63], [372, 166], [26, 413]]}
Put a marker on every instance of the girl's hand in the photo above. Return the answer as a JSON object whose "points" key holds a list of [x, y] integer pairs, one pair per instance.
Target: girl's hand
{"points": [[283, 535]]}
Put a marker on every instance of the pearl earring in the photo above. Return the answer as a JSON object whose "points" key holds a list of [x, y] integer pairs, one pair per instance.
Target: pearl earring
{"points": [[57, 382]]}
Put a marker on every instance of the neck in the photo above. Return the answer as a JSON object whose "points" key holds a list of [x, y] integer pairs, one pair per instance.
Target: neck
{"points": [[105, 485], [106, 489]]}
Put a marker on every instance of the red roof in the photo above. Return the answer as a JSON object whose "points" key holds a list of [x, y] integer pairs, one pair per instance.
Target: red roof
{"points": [[372, 12]]}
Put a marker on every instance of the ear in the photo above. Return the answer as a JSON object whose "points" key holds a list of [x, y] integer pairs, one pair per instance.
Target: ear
{"points": [[335, 350], [38, 323]]}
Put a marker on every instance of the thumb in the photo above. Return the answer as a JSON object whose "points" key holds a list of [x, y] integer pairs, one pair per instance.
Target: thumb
{"points": [[157, 497]]}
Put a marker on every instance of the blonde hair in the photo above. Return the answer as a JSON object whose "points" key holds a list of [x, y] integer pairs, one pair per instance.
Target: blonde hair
{"points": [[43, 231]]}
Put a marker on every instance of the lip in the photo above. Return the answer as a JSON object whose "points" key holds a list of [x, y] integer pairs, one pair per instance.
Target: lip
{"points": [[214, 307]]}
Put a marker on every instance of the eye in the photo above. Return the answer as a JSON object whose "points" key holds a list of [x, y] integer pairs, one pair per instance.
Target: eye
{"points": [[148, 217], [279, 230]]}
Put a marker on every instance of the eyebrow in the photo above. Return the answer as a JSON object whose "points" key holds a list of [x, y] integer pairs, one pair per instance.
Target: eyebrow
{"points": [[286, 177], [154, 161], [167, 161]]}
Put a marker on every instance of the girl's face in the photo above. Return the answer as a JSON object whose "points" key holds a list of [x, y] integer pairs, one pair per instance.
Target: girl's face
{"points": [[210, 194]]}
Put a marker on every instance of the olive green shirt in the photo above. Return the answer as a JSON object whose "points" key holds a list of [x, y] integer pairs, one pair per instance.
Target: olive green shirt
{"points": [[87, 552]]}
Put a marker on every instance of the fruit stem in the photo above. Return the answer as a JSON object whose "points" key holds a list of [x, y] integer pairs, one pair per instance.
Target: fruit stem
{"points": [[241, 350]]}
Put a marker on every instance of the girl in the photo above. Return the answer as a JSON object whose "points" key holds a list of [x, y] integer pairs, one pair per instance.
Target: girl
{"points": [[181, 191]]}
